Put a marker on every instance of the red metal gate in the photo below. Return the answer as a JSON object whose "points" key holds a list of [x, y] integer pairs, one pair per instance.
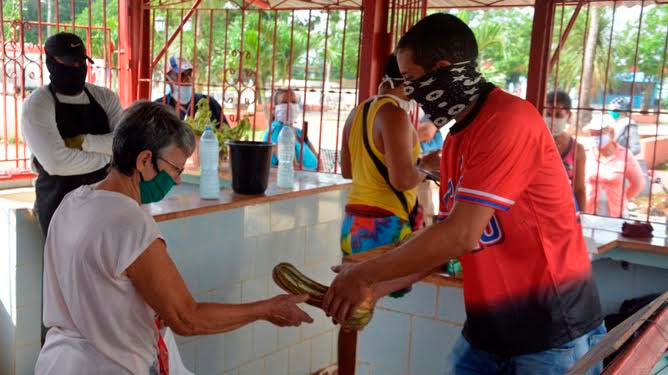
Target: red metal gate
{"points": [[611, 59], [258, 48], [25, 27]]}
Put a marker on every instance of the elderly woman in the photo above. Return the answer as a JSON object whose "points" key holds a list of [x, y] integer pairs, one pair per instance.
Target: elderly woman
{"points": [[613, 174], [110, 286]]}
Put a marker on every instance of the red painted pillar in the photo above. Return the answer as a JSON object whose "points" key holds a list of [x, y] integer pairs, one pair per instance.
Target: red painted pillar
{"points": [[376, 45], [133, 50], [539, 54]]}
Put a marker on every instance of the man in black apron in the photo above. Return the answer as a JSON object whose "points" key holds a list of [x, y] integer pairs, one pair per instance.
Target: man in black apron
{"points": [[66, 61], [68, 127]]}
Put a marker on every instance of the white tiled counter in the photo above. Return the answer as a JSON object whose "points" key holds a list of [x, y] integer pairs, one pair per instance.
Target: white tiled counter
{"points": [[225, 250], [412, 334], [21, 245], [228, 257]]}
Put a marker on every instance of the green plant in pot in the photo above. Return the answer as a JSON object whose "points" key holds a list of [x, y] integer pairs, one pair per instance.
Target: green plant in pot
{"points": [[202, 119], [249, 161]]}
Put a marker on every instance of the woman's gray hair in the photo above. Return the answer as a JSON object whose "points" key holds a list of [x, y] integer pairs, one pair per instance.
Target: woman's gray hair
{"points": [[148, 126]]}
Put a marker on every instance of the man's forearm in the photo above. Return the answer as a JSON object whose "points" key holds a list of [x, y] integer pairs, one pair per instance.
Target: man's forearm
{"points": [[382, 289], [433, 247], [98, 143]]}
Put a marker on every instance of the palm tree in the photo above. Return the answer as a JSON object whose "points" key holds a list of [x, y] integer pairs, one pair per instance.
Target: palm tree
{"points": [[584, 70]]}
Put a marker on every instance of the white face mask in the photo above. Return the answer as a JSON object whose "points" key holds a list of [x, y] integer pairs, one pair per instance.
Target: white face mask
{"points": [[183, 95], [557, 126], [287, 113], [601, 141], [406, 105]]}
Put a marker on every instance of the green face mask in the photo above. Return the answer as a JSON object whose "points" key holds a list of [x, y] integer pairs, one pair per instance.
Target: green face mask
{"points": [[616, 115], [156, 189]]}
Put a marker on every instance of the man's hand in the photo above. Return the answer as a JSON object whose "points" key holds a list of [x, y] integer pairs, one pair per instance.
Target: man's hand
{"points": [[283, 311], [347, 292], [75, 142], [431, 162]]}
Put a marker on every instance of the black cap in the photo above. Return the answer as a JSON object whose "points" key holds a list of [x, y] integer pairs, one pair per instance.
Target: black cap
{"points": [[66, 46]]}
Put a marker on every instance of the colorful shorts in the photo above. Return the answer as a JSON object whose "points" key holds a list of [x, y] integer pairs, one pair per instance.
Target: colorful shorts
{"points": [[363, 233]]}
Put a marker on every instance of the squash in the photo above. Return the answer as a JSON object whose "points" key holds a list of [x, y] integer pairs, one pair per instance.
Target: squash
{"points": [[288, 278]]}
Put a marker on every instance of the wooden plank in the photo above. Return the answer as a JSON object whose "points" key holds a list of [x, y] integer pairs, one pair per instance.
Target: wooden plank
{"points": [[642, 355], [617, 337]]}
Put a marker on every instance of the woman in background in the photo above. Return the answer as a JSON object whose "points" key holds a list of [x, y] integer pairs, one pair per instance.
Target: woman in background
{"points": [[287, 112], [557, 116], [613, 173]]}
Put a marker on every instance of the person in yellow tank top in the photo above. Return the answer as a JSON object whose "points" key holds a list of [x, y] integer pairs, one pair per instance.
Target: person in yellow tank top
{"points": [[382, 162]]}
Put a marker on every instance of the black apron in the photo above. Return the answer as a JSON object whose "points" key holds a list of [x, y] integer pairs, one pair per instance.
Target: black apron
{"points": [[72, 120]]}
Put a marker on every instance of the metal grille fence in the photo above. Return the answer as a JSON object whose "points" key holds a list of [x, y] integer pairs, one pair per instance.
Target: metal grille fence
{"points": [[610, 58]]}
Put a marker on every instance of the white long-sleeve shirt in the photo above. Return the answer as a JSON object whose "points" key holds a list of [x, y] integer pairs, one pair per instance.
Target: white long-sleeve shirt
{"points": [[38, 124]]}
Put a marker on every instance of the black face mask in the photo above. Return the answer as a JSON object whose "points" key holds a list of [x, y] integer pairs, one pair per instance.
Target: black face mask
{"points": [[67, 80], [446, 92]]}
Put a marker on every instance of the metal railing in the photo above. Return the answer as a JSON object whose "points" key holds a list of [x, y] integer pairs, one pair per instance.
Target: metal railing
{"points": [[25, 26], [611, 58], [242, 57]]}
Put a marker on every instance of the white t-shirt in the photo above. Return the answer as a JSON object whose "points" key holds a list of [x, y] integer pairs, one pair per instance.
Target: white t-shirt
{"points": [[38, 125], [100, 323]]}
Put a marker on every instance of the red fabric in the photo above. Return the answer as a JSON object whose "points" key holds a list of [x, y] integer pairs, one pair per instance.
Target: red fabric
{"points": [[527, 285], [367, 211], [504, 159], [163, 354]]}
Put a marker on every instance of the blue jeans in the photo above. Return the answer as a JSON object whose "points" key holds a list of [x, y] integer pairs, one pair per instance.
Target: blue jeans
{"points": [[467, 360]]}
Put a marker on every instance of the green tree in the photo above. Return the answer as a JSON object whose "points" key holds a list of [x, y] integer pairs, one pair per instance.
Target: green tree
{"points": [[285, 57], [651, 59], [44, 10], [593, 23], [98, 14], [504, 37]]}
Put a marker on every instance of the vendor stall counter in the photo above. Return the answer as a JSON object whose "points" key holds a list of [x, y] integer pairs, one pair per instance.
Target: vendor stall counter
{"points": [[225, 249]]}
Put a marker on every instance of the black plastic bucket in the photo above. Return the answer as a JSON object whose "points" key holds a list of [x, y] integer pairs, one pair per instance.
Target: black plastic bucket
{"points": [[250, 163]]}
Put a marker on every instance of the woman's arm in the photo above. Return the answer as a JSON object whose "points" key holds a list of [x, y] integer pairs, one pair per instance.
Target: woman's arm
{"points": [[579, 177], [346, 166], [634, 175], [158, 281]]}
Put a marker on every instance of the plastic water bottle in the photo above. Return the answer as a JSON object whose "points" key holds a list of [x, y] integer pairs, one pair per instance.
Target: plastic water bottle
{"points": [[286, 155], [209, 183]]}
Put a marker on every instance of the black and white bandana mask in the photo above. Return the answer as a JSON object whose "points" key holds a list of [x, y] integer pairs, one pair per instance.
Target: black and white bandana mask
{"points": [[445, 92]]}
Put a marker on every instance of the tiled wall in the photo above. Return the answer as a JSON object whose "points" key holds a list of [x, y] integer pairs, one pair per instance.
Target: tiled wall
{"points": [[228, 257], [413, 334], [21, 244]]}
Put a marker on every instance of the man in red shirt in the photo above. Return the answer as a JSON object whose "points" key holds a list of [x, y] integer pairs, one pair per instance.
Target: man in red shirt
{"points": [[506, 212]]}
